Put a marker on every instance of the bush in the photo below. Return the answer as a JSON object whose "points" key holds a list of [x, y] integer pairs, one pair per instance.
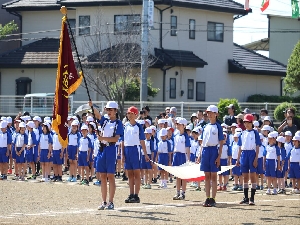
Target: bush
{"points": [[278, 112], [272, 98], [226, 102]]}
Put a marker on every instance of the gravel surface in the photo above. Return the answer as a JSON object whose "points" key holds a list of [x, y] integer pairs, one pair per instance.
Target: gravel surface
{"points": [[70, 203]]}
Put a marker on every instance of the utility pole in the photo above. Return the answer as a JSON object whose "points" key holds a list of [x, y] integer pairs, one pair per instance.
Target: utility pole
{"points": [[144, 53]]}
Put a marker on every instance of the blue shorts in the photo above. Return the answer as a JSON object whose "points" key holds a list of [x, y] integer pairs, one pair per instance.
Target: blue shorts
{"points": [[82, 158], [260, 166], [154, 156], [91, 155], [208, 159], [132, 157], [146, 165], [178, 159], [72, 150], [56, 157], [29, 155], [21, 158], [163, 159], [270, 168], [13, 152], [35, 153], [294, 170], [280, 174], [224, 162], [3, 157], [247, 159], [106, 160], [44, 156], [237, 169], [192, 157], [95, 162]]}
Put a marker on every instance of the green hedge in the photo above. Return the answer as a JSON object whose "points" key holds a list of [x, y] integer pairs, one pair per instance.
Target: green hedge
{"points": [[278, 112], [272, 98], [226, 102]]}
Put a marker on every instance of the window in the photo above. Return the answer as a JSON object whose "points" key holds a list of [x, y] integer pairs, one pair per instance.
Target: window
{"points": [[84, 25], [72, 23], [23, 87], [192, 29], [190, 88], [173, 25], [200, 91], [172, 87], [215, 31], [126, 24]]}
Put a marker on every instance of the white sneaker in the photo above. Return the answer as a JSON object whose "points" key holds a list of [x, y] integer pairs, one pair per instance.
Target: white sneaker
{"points": [[164, 185], [296, 191], [268, 192], [43, 179], [274, 192]]}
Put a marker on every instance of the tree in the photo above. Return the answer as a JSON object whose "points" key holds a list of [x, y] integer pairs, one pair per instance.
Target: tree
{"points": [[7, 29], [292, 79], [223, 103]]}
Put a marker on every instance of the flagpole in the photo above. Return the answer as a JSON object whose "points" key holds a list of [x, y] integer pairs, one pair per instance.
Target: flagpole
{"points": [[63, 10]]}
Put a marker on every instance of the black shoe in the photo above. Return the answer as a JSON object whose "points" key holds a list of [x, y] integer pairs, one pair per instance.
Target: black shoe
{"points": [[127, 200], [245, 201], [231, 178], [134, 199], [124, 178], [251, 202], [154, 181], [78, 177], [212, 202], [90, 179], [206, 203]]}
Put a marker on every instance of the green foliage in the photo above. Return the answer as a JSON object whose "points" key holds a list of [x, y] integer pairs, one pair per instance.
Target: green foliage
{"points": [[7, 29], [292, 79], [273, 98], [278, 112], [226, 102]]}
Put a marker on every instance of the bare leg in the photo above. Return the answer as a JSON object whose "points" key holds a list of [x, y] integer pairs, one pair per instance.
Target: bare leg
{"points": [[112, 186], [137, 181], [214, 184], [207, 184]]}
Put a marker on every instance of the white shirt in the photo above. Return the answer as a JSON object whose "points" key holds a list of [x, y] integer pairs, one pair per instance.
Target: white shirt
{"points": [[163, 147], [261, 151], [224, 154], [84, 144], [265, 141], [210, 135], [3, 140], [180, 143], [30, 142], [295, 155], [194, 146], [37, 133], [20, 140], [271, 152], [56, 143], [109, 128], [73, 139], [132, 135], [288, 147], [148, 149], [248, 140], [235, 150], [96, 147], [44, 141]]}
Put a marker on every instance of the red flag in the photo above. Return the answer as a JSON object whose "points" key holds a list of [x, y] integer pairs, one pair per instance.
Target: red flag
{"points": [[264, 5], [67, 81], [246, 5]]}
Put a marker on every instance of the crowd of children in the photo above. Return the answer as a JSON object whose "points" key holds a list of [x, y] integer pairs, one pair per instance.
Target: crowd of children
{"points": [[99, 146]]}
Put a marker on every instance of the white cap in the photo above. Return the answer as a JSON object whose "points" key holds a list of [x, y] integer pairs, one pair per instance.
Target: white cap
{"points": [[163, 132], [160, 121], [196, 130], [267, 118], [30, 124], [148, 130], [153, 127], [296, 138], [266, 127], [173, 109], [22, 124], [4, 118], [261, 136], [225, 130], [194, 115], [90, 119], [189, 127], [255, 123], [230, 106], [212, 108], [182, 121], [111, 105], [273, 134], [236, 134], [297, 133], [142, 122], [84, 127], [24, 118], [148, 121], [74, 118], [3, 124], [94, 125], [75, 123], [47, 124], [224, 125], [238, 129], [288, 133], [9, 119], [47, 118], [37, 118], [69, 118], [280, 139], [233, 125]]}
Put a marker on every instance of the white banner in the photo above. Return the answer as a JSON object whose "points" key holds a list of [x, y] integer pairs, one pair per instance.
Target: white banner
{"points": [[150, 13]]}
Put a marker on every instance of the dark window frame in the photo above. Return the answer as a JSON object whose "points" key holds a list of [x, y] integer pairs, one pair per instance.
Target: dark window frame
{"points": [[83, 31], [192, 32], [172, 90], [214, 31], [173, 28], [190, 92], [134, 24], [72, 23], [197, 97]]}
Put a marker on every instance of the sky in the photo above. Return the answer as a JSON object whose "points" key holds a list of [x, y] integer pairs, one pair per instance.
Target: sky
{"points": [[254, 26]]}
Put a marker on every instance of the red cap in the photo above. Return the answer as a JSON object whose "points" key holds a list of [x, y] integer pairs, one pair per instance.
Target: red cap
{"points": [[248, 118], [133, 110], [170, 128]]}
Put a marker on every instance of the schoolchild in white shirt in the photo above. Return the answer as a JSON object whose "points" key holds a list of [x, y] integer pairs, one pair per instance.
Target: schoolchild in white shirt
{"points": [[236, 171], [30, 150], [21, 142], [225, 160], [294, 164], [194, 150], [58, 154], [92, 136], [280, 173], [260, 172], [170, 138], [288, 146], [154, 158], [5, 147], [37, 131], [265, 130], [147, 166]]}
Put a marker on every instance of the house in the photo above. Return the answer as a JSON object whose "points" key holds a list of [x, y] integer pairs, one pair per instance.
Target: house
{"points": [[192, 40]]}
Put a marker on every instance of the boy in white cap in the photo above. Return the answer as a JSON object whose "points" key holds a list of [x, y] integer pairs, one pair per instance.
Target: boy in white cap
{"points": [[271, 153], [21, 142], [211, 137], [288, 146], [294, 163], [164, 152], [5, 147], [146, 166]]}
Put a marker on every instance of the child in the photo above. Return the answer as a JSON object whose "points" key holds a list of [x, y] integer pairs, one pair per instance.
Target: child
{"points": [[194, 149], [256, 126], [37, 131], [21, 142], [164, 156], [72, 150], [271, 153], [236, 171], [119, 158], [260, 165], [294, 163], [84, 149], [249, 143], [92, 136], [225, 159], [5, 146], [265, 130], [146, 166], [95, 154], [182, 146], [58, 153], [45, 151], [288, 146], [154, 158], [133, 138], [32, 142], [10, 129], [170, 138], [13, 147], [211, 137], [280, 174]]}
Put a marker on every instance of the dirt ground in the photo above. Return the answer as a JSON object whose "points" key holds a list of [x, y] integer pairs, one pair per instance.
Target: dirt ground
{"points": [[34, 202]]}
